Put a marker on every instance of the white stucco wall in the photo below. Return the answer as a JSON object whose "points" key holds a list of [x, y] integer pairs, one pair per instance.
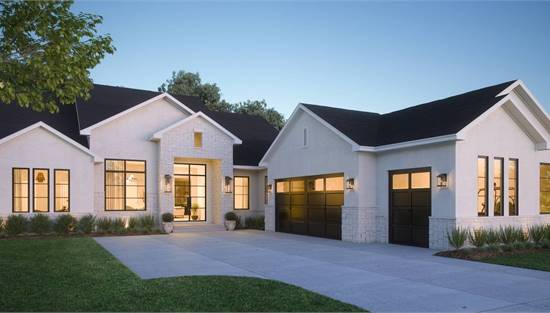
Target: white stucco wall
{"points": [[128, 137], [40, 148]]}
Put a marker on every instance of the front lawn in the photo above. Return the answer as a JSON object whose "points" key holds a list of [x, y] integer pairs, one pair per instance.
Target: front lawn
{"points": [[539, 260], [76, 274]]}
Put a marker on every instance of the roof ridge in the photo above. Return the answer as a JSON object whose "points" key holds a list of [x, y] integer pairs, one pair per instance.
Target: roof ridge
{"points": [[129, 88], [336, 108]]}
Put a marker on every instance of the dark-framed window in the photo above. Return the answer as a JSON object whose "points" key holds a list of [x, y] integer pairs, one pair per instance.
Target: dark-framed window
{"points": [[20, 190], [498, 186], [266, 191], [544, 205], [62, 190], [125, 185], [513, 187], [241, 191], [41, 190], [482, 186]]}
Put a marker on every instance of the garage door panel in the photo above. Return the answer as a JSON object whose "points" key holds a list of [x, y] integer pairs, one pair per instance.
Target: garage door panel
{"points": [[316, 229], [420, 216], [420, 198], [316, 215], [334, 231], [299, 228], [298, 214], [334, 215], [420, 236], [401, 234], [298, 199], [316, 199], [401, 199], [401, 216], [335, 199], [282, 199]]}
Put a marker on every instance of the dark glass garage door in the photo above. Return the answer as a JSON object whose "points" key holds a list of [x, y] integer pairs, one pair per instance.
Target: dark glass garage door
{"points": [[410, 207], [310, 205]]}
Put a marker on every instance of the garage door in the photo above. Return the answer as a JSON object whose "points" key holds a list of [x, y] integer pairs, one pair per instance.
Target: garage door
{"points": [[310, 205], [410, 207]]}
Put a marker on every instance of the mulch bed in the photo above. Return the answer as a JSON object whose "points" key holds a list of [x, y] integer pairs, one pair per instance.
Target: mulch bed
{"points": [[480, 254]]}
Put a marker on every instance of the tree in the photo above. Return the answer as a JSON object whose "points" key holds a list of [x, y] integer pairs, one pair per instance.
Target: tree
{"points": [[47, 53], [190, 84]]}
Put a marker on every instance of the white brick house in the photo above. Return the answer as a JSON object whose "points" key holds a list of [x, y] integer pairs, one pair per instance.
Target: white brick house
{"points": [[479, 159]]}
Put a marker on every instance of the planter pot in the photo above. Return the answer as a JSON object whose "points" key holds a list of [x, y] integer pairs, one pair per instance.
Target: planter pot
{"points": [[230, 225], [195, 217], [168, 227]]}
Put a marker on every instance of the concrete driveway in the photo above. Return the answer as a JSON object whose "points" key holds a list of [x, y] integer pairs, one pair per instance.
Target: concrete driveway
{"points": [[381, 278]]}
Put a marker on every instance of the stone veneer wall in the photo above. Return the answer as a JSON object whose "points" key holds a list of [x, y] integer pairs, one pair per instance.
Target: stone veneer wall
{"points": [[359, 224]]}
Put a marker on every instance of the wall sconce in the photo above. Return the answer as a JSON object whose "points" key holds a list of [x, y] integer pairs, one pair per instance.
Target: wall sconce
{"points": [[167, 183], [228, 186], [442, 180], [350, 183], [270, 188]]}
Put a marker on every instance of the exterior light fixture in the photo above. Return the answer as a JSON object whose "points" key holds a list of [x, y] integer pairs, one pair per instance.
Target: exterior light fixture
{"points": [[228, 186], [350, 183], [167, 183], [442, 180], [270, 188]]}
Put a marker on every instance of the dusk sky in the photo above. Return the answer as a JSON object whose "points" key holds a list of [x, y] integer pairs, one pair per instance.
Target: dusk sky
{"points": [[371, 56]]}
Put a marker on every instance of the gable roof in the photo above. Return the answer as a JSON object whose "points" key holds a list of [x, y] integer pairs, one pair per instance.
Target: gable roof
{"points": [[433, 119]]}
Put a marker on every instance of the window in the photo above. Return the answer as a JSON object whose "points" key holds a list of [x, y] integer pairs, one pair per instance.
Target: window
{"points": [[62, 190], [41, 189], [197, 139], [282, 187], [498, 181], [125, 185], [545, 188], [334, 183], [297, 186], [266, 191], [241, 192], [20, 190], [304, 142], [420, 180], [400, 181], [513, 187], [482, 183]]}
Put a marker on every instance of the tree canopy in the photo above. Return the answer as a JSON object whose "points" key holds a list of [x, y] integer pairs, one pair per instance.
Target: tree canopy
{"points": [[47, 53], [190, 84]]}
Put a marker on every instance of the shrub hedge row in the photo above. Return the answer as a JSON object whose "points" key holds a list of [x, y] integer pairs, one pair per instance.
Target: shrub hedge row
{"points": [[507, 236]]}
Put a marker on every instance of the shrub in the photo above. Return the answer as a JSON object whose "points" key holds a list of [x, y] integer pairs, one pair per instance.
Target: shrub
{"points": [[1, 225], [118, 225], [16, 224], [64, 224], [231, 216], [492, 237], [457, 237], [104, 224], [133, 223], [146, 222], [506, 235], [167, 217], [507, 247], [40, 224], [547, 232], [255, 222], [85, 224], [546, 244], [478, 237], [521, 236], [519, 245]]}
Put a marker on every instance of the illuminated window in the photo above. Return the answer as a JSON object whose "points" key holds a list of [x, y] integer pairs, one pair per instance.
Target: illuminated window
{"points": [[20, 190], [482, 183], [241, 192], [545, 188], [297, 186], [61, 181], [498, 183], [282, 186], [334, 183], [420, 180], [513, 187], [316, 184], [41, 189], [197, 139], [125, 185], [400, 181]]}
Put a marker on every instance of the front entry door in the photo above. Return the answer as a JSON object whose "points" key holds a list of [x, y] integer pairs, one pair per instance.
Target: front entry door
{"points": [[189, 192], [410, 206]]}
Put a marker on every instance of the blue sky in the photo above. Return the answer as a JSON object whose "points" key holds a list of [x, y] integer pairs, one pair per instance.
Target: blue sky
{"points": [[373, 56]]}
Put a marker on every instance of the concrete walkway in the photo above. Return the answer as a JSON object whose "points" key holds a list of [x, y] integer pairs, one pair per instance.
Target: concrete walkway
{"points": [[381, 278]]}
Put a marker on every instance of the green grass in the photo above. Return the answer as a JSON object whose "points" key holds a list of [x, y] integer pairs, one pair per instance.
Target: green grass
{"points": [[534, 260], [76, 274]]}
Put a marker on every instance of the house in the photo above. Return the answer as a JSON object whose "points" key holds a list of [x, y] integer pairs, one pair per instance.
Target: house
{"points": [[126, 152], [479, 159]]}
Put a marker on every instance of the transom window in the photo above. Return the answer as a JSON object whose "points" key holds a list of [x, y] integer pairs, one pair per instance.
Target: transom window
{"points": [[125, 185], [41, 189], [61, 181], [241, 191], [20, 190]]}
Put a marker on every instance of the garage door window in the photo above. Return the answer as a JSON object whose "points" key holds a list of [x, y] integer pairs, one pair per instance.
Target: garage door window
{"points": [[297, 186], [400, 181], [420, 180], [317, 184], [282, 187], [334, 183]]}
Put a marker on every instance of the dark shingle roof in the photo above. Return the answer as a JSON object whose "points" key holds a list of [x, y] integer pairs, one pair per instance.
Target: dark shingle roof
{"points": [[106, 101], [437, 118]]}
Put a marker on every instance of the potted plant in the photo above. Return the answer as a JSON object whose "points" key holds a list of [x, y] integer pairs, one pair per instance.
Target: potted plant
{"points": [[230, 221], [168, 222], [195, 212]]}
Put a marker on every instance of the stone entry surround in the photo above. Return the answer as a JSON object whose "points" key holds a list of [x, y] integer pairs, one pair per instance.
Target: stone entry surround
{"points": [[378, 277]]}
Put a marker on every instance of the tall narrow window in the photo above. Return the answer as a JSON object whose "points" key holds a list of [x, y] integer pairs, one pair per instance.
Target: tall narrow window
{"points": [[498, 183], [61, 196], [197, 139], [482, 183], [304, 142], [125, 185], [41, 189], [241, 191], [513, 187], [266, 191], [545, 188], [20, 190]]}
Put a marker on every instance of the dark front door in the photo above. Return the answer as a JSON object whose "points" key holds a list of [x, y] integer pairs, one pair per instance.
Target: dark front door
{"points": [[310, 205], [410, 206]]}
